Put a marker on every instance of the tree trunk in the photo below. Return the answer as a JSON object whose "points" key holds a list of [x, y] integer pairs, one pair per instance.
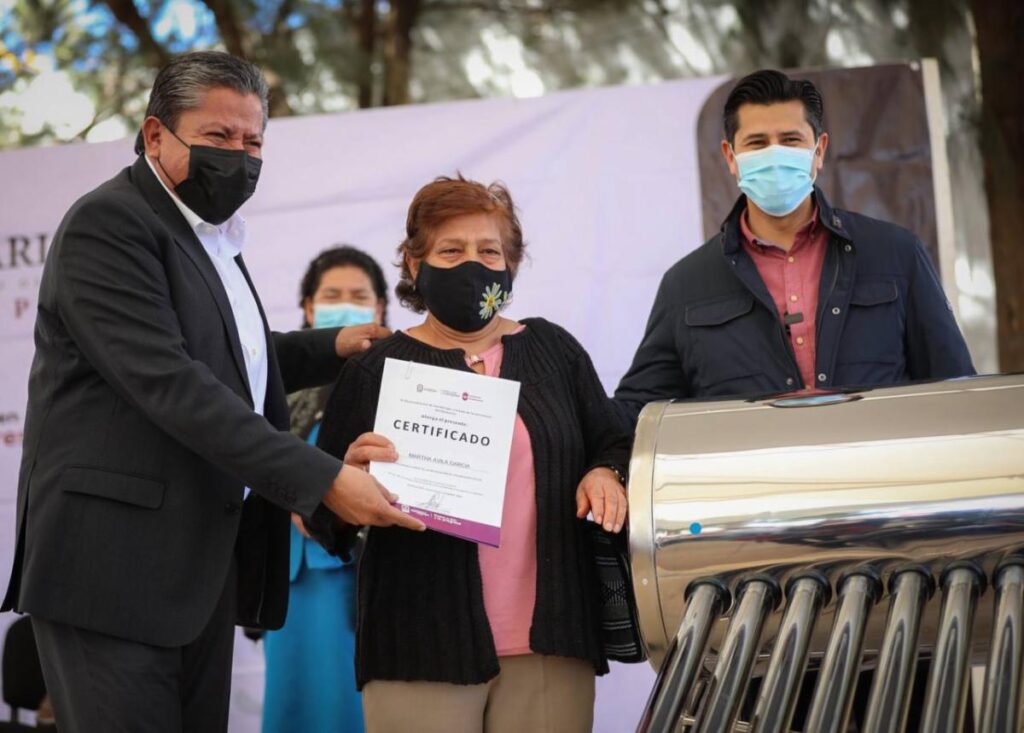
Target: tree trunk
{"points": [[231, 30], [1000, 27], [366, 28], [398, 50]]}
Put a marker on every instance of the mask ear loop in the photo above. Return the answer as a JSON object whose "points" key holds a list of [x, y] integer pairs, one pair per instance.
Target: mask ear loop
{"points": [[160, 162], [814, 156]]}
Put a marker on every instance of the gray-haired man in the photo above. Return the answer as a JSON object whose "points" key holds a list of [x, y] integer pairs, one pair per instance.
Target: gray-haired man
{"points": [[156, 404]]}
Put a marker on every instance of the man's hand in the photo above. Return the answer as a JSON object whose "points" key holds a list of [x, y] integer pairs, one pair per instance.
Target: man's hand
{"points": [[357, 498], [370, 447], [355, 339], [601, 494]]}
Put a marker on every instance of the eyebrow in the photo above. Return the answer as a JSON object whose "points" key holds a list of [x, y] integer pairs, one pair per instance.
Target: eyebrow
{"points": [[464, 242], [228, 130], [756, 136]]}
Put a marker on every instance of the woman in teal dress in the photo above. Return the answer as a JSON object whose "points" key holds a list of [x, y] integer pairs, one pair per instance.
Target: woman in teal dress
{"points": [[310, 671]]}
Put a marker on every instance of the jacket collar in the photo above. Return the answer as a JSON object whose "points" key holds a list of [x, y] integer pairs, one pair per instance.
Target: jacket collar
{"points": [[159, 198], [831, 219]]}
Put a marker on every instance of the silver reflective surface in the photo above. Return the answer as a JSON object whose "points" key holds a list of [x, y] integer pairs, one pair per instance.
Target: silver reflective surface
{"points": [[1001, 706], [833, 693], [891, 687], [777, 699], [732, 672], [946, 697], [675, 680], [924, 474]]}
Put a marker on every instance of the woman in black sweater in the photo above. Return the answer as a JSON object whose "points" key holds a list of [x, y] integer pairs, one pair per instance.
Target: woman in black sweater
{"points": [[452, 636]]}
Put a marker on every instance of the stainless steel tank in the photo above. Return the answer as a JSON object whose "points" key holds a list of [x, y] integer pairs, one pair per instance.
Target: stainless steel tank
{"points": [[835, 532]]}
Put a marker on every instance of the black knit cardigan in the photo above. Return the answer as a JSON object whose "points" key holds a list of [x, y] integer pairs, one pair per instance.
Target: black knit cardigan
{"points": [[420, 610]]}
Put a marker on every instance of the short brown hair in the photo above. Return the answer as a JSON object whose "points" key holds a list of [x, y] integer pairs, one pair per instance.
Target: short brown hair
{"points": [[446, 198]]}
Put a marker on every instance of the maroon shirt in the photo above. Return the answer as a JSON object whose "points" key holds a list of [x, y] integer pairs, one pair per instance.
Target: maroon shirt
{"points": [[792, 279]]}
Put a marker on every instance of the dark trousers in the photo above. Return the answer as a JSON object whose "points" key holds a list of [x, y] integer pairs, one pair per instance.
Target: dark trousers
{"points": [[102, 683]]}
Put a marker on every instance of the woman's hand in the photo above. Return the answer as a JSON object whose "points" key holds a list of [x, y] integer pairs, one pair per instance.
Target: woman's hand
{"points": [[355, 339], [601, 494], [300, 525], [370, 447]]}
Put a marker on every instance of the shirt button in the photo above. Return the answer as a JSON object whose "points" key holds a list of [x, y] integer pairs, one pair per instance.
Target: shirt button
{"points": [[848, 248], [836, 311], [789, 381], [800, 340], [252, 351], [793, 298], [791, 258], [822, 377]]}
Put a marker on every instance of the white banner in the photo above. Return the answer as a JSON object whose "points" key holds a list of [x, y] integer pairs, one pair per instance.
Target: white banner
{"points": [[606, 182]]}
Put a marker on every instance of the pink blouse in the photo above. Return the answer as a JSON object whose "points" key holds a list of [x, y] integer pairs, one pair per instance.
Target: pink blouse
{"points": [[509, 572]]}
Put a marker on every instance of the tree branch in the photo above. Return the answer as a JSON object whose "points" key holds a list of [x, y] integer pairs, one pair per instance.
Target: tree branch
{"points": [[283, 11], [231, 30], [498, 7], [128, 15]]}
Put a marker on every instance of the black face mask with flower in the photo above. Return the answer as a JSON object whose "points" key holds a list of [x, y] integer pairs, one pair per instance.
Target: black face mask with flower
{"points": [[465, 297]]}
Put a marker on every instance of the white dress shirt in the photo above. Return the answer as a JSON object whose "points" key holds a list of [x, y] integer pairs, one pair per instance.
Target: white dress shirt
{"points": [[223, 244]]}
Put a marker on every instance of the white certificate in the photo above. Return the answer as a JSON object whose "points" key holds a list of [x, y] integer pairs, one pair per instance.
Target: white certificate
{"points": [[453, 433]]}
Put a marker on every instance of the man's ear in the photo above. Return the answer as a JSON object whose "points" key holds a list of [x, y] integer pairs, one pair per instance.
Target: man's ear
{"points": [[730, 158], [819, 154], [152, 133]]}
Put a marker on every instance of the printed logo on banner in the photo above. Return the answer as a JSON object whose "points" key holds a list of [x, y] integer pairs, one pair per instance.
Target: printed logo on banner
{"points": [[21, 266], [11, 433]]}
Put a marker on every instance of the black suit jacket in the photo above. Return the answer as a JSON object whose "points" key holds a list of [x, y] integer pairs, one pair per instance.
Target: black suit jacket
{"points": [[140, 432]]}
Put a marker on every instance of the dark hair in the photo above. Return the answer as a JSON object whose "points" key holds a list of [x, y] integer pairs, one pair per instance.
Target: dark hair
{"points": [[180, 85], [344, 255], [768, 87], [446, 198]]}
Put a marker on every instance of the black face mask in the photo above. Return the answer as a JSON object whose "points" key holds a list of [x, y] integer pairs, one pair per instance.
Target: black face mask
{"points": [[465, 297], [219, 181]]}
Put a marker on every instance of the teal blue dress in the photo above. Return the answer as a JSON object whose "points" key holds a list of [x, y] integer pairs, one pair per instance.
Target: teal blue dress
{"points": [[310, 675]]}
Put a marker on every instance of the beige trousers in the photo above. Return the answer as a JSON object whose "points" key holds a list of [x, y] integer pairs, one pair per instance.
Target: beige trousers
{"points": [[531, 693]]}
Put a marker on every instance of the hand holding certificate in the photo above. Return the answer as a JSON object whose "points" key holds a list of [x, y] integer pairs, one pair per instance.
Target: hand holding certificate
{"points": [[453, 433]]}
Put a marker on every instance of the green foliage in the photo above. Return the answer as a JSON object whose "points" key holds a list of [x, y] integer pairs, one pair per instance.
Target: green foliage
{"points": [[329, 55]]}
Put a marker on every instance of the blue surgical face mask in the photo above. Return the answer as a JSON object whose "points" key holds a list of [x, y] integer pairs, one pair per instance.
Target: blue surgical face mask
{"points": [[777, 178], [340, 315]]}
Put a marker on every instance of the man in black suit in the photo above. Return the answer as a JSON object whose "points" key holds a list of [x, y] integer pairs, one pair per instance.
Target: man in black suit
{"points": [[156, 405]]}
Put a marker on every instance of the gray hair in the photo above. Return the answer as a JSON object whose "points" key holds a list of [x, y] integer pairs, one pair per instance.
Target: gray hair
{"points": [[181, 84]]}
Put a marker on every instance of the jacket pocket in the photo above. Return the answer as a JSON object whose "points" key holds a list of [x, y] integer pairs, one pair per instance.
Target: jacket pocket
{"points": [[140, 491], [727, 352], [718, 312], [874, 293], [873, 333]]}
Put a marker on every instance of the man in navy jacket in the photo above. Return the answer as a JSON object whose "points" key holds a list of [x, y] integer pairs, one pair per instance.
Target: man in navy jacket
{"points": [[791, 294]]}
